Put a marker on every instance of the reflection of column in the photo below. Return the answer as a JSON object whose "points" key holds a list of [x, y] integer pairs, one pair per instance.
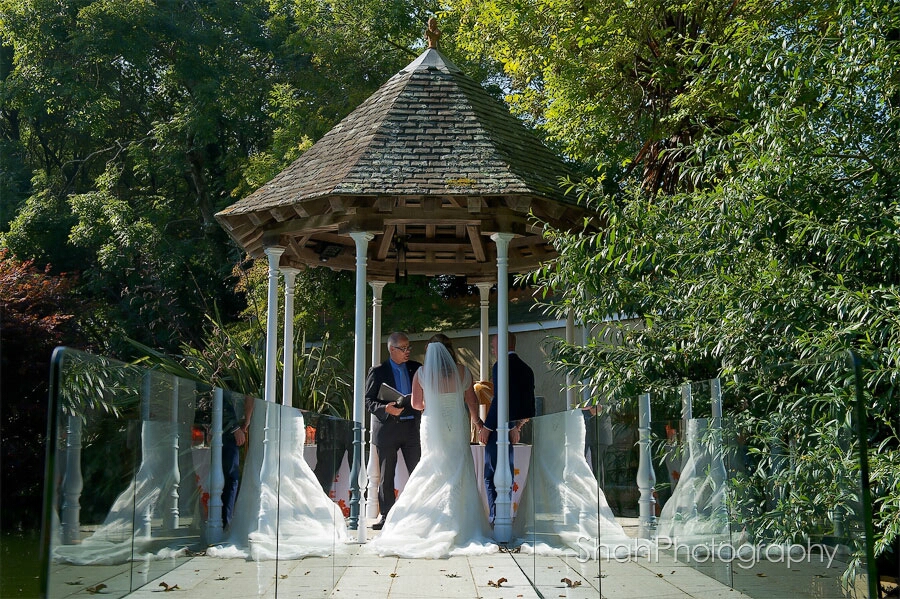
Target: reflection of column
{"points": [[274, 253], [372, 466], [484, 370], [144, 521], [72, 482], [687, 414], [502, 476], [717, 462], [216, 476], [287, 384], [172, 514], [646, 478], [570, 339], [357, 472]]}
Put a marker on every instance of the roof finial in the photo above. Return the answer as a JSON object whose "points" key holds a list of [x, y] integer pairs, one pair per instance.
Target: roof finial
{"points": [[432, 35]]}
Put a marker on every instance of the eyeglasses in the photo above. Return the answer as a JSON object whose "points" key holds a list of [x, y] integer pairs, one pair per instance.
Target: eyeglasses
{"points": [[403, 349]]}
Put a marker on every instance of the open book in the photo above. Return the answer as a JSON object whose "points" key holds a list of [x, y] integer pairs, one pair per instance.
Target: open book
{"points": [[388, 394]]}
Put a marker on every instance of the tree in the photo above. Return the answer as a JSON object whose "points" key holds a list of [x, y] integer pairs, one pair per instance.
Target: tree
{"points": [[139, 121], [36, 314], [626, 85], [779, 266]]}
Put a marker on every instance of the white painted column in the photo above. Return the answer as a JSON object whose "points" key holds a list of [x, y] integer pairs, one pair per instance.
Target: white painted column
{"points": [[287, 383], [502, 476], [646, 478], [357, 472], [274, 253], [372, 465], [287, 435], [214, 525], [484, 370], [268, 468]]}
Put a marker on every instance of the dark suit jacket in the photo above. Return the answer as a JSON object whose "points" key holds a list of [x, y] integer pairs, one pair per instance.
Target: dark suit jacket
{"points": [[521, 392], [384, 373]]}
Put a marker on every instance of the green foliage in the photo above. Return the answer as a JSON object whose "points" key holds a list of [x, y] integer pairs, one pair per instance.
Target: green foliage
{"points": [[777, 259], [228, 361], [135, 122], [36, 314], [628, 85]]}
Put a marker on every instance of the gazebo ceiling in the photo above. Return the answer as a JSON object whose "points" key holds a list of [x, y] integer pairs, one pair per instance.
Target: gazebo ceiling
{"points": [[431, 165]]}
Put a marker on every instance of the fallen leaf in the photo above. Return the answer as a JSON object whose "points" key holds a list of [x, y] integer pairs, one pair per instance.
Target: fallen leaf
{"points": [[393, 575], [75, 582], [222, 578], [760, 574], [452, 575], [283, 576], [95, 589]]}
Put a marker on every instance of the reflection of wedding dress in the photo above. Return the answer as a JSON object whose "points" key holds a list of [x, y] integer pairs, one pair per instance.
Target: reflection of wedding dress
{"points": [[696, 511], [439, 513], [563, 510], [281, 511], [144, 500]]}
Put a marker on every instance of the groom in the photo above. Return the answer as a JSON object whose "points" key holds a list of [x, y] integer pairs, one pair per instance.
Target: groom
{"points": [[521, 407], [396, 428]]}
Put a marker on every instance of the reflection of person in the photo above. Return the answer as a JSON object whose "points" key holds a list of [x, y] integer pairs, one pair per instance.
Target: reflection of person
{"points": [[281, 511], [561, 482], [236, 412], [435, 516], [521, 407], [334, 439], [397, 428]]}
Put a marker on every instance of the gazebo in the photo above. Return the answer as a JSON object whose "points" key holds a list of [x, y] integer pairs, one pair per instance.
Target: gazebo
{"points": [[430, 175]]}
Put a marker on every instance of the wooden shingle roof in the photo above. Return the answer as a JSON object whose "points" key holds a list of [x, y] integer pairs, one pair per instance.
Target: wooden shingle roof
{"points": [[432, 165]]}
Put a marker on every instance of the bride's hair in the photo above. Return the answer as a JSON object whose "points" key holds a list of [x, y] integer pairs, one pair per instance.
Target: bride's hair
{"points": [[440, 372], [445, 341]]}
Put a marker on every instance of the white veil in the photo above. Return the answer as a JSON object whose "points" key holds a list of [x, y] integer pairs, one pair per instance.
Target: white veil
{"points": [[440, 374]]}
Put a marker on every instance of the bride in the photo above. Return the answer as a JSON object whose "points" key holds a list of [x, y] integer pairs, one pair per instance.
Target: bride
{"points": [[440, 512]]}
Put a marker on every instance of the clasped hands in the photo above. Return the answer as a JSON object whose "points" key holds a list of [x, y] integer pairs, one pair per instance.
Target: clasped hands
{"points": [[393, 409], [514, 435]]}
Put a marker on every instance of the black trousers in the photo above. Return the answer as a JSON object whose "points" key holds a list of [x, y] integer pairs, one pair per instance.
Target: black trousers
{"points": [[394, 436]]}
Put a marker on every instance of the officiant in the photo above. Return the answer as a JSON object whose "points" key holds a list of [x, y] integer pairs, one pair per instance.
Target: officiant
{"points": [[396, 428]]}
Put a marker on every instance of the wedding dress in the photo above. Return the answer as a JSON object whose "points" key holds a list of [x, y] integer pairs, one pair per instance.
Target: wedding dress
{"points": [[440, 512], [281, 511], [563, 510]]}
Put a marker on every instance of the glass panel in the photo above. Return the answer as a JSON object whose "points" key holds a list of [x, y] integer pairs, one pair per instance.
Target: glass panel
{"points": [[120, 506], [133, 474], [564, 527], [763, 502], [795, 486]]}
